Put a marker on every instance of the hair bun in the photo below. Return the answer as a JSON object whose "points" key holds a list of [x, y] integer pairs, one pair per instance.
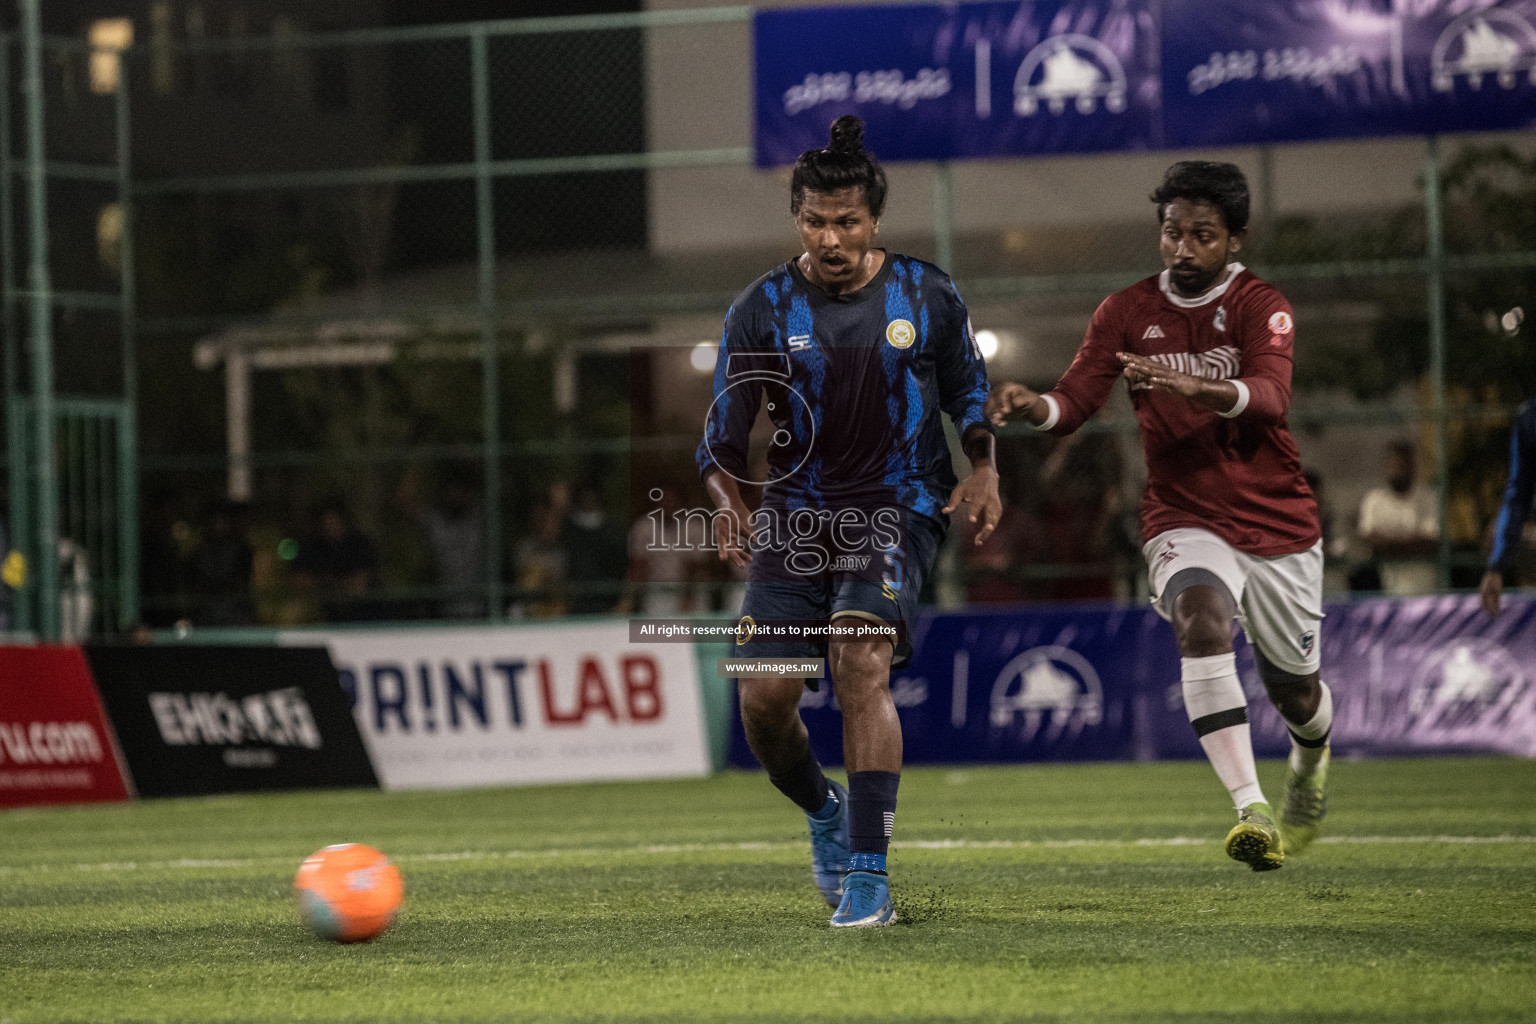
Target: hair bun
{"points": [[847, 135]]}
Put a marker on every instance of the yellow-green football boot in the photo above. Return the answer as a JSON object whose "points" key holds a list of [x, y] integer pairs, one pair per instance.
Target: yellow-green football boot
{"points": [[1255, 840], [1306, 801]]}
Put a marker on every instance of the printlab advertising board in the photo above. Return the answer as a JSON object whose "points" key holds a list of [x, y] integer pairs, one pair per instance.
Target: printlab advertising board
{"points": [[447, 707]]}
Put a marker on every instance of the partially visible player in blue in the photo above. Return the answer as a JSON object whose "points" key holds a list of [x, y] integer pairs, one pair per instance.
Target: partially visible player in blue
{"points": [[1515, 508], [852, 351]]}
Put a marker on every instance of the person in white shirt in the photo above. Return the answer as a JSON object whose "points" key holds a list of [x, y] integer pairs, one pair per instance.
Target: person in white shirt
{"points": [[1401, 525]]}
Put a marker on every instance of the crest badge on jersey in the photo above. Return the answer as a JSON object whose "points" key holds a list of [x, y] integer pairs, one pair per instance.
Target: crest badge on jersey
{"points": [[900, 333], [1280, 323], [1220, 323]]}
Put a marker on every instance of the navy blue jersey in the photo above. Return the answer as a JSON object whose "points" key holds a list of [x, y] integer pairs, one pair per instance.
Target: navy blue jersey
{"points": [[852, 384], [1518, 494]]}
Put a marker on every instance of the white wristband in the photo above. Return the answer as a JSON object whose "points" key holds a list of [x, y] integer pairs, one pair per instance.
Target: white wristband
{"points": [[1242, 400], [1051, 418]]}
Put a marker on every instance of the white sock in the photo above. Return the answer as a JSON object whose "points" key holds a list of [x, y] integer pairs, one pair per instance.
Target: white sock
{"points": [[1305, 758], [1214, 701]]}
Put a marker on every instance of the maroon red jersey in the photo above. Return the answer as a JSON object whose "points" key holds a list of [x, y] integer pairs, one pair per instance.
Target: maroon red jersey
{"points": [[1237, 474]]}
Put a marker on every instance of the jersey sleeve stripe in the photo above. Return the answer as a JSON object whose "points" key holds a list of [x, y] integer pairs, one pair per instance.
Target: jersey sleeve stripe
{"points": [[1242, 401], [1053, 417]]}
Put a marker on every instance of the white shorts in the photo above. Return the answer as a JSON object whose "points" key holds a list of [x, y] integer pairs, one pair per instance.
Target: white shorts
{"points": [[1279, 599]]}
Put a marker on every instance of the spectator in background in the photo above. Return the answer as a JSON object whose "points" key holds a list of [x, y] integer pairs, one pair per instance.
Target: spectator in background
{"points": [[221, 567], [995, 570], [164, 540], [336, 564], [456, 535], [405, 552], [665, 564], [1510, 525], [77, 595], [595, 559], [1081, 483], [1400, 525], [540, 560]]}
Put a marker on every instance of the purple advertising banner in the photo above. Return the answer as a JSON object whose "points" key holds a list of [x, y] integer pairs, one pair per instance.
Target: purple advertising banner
{"points": [[1237, 72], [1409, 676], [1033, 77], [959, 80]]}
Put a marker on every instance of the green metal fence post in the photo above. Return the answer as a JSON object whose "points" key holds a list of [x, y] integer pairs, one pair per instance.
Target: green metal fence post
{"points": [[45, 492], [490, 373], [128, 427], [16, 432], [7, 242], [944, 216], [1435, 242]]}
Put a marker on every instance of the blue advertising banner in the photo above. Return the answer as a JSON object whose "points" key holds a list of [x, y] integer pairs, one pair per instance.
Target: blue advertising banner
{"points": [[1239, 72], [959, 80], [937, 82], [1013, 685], [1420, 675]]}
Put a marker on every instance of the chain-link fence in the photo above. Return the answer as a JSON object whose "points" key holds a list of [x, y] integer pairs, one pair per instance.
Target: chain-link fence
{"points": [[404, 317]]}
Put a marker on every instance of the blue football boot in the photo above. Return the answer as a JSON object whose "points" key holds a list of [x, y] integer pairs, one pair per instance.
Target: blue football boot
{"points": [[829, 848], [866, 901]]}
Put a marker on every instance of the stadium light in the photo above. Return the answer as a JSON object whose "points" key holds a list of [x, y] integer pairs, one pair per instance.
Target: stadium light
{"points": [[108, 37], [703, 356], [987, 341]]}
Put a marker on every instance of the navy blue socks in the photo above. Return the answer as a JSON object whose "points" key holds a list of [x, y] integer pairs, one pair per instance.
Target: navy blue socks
{"points": [[871, 813], [805, 785]]}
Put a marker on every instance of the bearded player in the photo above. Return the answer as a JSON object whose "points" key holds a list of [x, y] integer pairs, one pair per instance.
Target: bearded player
{"points": [[853, 352], [1231, 527]]}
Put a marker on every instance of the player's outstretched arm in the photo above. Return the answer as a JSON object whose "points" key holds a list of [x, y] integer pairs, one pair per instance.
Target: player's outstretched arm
{"points": [[1219, 396], [1013, 401], [978, 492], [731, 519]]}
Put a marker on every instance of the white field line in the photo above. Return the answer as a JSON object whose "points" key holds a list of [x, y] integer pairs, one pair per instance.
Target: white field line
{"points": [[557, 853]]}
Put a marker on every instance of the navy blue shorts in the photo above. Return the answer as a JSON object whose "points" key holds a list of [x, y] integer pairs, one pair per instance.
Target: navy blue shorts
{"points": [[828, 575]]}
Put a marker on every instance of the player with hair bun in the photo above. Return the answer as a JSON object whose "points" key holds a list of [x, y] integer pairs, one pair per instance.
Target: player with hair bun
{"points": [[1230, 526], [853, 352]]}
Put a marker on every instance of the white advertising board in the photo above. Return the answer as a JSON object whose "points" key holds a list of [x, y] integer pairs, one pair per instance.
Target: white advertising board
{"points": [[495, 706]]}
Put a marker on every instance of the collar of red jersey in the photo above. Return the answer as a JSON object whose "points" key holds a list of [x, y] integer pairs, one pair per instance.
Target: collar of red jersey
{"points": [[1233, 269]]}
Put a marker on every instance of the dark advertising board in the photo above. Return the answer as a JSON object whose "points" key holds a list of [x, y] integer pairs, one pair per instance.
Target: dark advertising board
{"points": [[196, 720], [55, 744]]}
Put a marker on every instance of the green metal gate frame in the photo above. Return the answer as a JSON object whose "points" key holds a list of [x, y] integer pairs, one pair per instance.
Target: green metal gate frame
{"points": [[33, 471], [92, 440]]}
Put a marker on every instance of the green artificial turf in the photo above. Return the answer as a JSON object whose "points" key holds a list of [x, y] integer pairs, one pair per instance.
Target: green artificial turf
{"points": [[1072, 893]]}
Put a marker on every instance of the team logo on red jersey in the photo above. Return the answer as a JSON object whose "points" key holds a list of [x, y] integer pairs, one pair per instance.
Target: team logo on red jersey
{"points": [[1153, 332], [1280, 323], [1220, 323]]}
